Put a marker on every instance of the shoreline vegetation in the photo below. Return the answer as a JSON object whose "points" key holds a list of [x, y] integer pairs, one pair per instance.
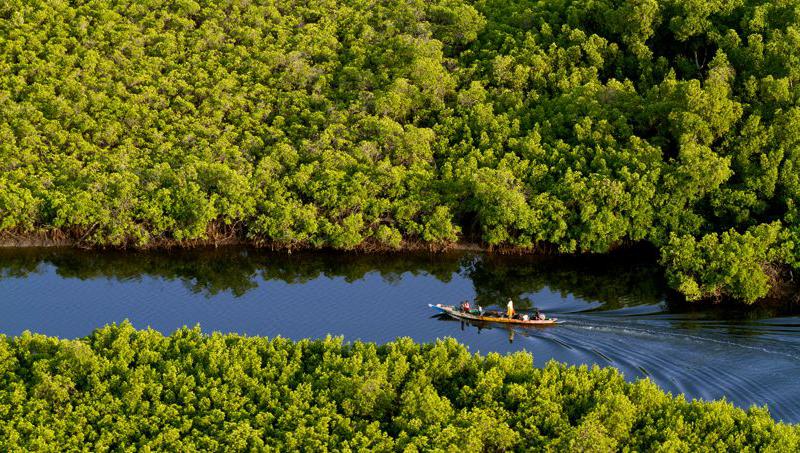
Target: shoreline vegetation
{"points": [[352, 125], [123, 388]]}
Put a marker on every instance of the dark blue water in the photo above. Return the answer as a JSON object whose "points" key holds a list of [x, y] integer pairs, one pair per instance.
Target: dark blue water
{"points": [[617, 310]]}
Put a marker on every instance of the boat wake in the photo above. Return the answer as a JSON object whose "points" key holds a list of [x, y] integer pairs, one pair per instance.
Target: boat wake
{"points": [[702, 364]]}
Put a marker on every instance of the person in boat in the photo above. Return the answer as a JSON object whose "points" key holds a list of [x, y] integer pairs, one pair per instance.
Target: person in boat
{"points": [[510, 309], [465, 306]]}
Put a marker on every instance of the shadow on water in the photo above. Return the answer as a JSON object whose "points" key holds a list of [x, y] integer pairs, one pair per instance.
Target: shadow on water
{"points": [[235, 270], [616, 281], [617, 309]]}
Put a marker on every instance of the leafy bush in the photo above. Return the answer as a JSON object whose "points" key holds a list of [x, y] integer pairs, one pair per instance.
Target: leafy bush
{"points": [[123, 389], [729, 263]]}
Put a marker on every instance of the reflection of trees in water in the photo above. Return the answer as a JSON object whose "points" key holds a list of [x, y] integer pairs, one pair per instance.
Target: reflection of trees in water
{"points": [[211, 271], [201, 272], [305, 266], [19, 263], [615, 281]]}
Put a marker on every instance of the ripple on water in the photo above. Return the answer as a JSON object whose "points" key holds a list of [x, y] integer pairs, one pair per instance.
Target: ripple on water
{"points": [[700, 365], [616, 315]]}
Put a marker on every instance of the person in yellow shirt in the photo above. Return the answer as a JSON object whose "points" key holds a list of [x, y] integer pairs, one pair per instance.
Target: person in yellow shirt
{"points": [[510, 309]]}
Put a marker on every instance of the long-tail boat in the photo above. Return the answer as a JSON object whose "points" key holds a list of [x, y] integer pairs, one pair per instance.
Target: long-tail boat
{"points": [[485, 316]]}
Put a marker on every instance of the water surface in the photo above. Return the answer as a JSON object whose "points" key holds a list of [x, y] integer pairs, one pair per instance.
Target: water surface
{"points": [[617, 309]]}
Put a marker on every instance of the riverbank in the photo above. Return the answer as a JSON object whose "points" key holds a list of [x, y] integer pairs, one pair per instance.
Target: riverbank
{"points": [[784, 287], [77, 240], [122, 387]]}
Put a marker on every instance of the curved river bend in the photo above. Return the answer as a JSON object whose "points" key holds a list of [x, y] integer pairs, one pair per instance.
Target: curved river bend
{"points": [[617, 310]]}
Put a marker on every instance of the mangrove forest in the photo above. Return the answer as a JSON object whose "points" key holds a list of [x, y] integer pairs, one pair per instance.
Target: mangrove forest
{"points": [[573, 126], [121, 389]]}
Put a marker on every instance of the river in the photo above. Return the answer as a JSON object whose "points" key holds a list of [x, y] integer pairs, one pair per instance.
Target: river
{"points": [[617, 310]]}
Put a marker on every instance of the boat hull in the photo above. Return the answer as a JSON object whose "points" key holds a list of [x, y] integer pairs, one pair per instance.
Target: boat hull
{"points": [[452, 311]]}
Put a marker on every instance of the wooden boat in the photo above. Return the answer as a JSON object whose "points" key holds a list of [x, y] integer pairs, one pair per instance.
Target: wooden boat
{"points": [[458, 314]]}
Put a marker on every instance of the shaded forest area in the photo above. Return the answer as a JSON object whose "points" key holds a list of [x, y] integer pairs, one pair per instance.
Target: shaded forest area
{"points": [[578, 125], [121, 389]]}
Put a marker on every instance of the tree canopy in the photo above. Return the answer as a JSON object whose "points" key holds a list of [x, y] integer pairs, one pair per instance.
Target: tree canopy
{"points": [[343, 123], [123, 389]]}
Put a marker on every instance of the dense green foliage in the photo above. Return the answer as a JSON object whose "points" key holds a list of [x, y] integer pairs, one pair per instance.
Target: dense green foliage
{"points": [[122, 389], [345, 123]]}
